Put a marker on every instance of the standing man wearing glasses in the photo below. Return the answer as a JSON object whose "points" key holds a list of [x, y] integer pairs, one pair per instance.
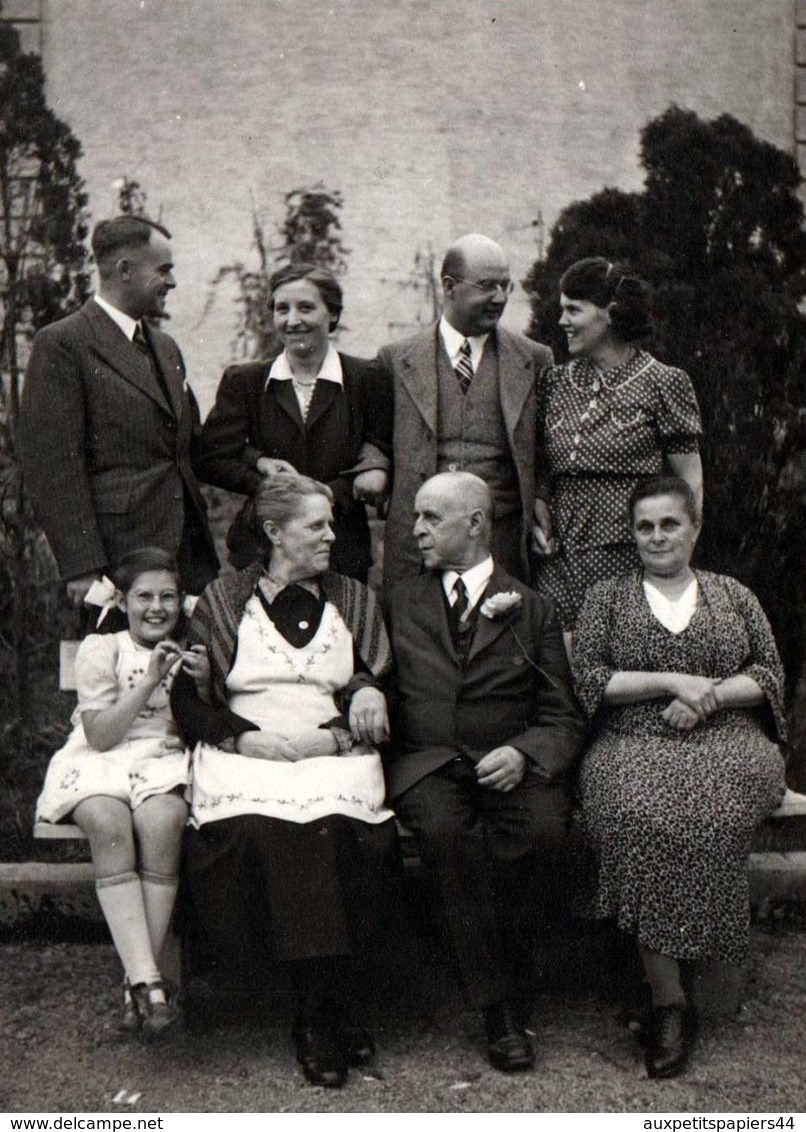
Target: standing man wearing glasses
{"points": [[464, 400]]}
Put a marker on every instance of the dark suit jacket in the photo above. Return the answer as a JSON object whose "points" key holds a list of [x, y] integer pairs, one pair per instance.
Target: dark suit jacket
{"points": [[251, 419], [106, 457], [409, 370], [442, 708]]}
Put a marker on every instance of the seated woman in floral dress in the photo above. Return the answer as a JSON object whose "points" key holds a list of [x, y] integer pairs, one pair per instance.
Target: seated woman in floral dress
{"points": [[678, 673]]}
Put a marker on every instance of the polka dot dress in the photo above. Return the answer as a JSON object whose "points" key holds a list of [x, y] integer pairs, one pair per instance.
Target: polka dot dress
{"points": [[601, 433], [668, 814]]}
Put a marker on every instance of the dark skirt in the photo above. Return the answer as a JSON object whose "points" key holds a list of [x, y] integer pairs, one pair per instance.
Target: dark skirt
{"points": [[258, 889]]}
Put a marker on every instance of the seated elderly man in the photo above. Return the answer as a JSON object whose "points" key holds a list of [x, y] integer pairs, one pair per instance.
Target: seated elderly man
{"points": [[485, 729]]}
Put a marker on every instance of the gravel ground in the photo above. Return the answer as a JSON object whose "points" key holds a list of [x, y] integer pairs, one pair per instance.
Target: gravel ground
{"points": [[61, 1051]]}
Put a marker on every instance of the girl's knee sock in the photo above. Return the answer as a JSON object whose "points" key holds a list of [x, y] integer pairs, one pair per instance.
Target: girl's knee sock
{"points": [[159, 896], [121, 900]]}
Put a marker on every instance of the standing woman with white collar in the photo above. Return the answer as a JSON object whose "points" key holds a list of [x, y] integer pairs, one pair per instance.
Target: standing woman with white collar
{"points": [[610, 416], [309, 410]]}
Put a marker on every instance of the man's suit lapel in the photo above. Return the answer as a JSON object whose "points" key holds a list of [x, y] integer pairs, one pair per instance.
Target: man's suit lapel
{"points": [[419, 375], [428, 612], [171, 374], [488, 629], [516, 380], [111, 344]]}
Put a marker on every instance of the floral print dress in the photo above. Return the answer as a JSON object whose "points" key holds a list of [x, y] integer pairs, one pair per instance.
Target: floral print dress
{"points": [[670, 814]]}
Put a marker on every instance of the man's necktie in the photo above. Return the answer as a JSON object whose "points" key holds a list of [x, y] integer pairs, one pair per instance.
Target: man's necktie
{"points": [[458, 608], [464, 367], [140, 342]]}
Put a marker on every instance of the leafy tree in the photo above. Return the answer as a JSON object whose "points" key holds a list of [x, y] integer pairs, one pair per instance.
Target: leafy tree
{"points": [[42, 275], [309, 233], [718, 232], [132, 198]]}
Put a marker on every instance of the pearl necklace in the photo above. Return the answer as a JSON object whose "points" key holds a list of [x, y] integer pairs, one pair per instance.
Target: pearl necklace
{"points": [[304, 391]]}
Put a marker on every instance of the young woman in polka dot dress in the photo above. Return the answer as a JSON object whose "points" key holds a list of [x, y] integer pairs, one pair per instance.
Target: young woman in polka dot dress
{"points": [[122, 774], [609, 417], [679, 676]]}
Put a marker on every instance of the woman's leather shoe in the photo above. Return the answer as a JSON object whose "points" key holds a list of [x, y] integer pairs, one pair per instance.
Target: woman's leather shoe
{"points": [[508, 1046], [671, 1037], [322, 1059]]}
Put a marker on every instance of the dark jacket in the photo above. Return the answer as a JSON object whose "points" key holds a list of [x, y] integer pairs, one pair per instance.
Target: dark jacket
{"points": [[254, 417], [107, 459], [513, 688]]}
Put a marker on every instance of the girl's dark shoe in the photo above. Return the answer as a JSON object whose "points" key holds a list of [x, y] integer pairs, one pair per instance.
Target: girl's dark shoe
{"points": [[131, 1020], [156, 1005]]}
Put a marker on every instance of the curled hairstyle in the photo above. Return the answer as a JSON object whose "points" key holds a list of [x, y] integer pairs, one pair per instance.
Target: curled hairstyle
{"points": [[323, 280], [611, 287], [110, 237], [653, 486], [279, 499]]}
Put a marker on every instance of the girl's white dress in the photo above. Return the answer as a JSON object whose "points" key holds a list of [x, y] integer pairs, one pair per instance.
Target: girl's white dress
{"points": [[142, 765]]}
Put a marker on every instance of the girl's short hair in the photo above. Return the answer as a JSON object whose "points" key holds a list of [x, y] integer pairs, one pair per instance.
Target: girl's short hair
{"points": [[323, 280], [612, 287], [130, 566]]}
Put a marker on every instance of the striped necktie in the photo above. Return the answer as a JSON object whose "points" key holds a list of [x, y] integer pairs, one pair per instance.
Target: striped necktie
{"points": [[464, 367]]}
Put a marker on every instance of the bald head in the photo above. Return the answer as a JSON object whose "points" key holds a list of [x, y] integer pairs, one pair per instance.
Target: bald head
{"points": [[454, 514], [475, 284]]}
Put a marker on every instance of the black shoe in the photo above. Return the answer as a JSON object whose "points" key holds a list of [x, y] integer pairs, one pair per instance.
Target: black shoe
{"points": [[671, 1037], [508, 1046], [319, 1053], [156, 1005], [358, 1045]]}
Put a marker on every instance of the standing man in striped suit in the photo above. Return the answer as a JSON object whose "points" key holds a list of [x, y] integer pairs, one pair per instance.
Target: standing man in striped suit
{"points": [[464, 400], [109, 425]]}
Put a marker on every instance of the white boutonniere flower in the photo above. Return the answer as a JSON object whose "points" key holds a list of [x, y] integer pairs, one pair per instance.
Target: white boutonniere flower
{"points": [[499, 604]]}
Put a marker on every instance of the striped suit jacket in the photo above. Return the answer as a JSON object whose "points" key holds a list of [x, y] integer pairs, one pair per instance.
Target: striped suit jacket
{"points": [[107, 457]]}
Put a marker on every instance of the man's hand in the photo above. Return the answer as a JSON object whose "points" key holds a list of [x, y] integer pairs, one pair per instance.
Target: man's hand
{"points": [[369, 720], [78, 588], [371, 486], [501, 769]]}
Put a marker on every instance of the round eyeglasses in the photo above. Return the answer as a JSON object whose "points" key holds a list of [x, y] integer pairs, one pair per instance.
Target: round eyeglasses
{"points": [[488, 286]]}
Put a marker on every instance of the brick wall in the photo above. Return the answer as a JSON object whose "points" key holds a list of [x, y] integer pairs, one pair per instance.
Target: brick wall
{"points": [[433, 117]]}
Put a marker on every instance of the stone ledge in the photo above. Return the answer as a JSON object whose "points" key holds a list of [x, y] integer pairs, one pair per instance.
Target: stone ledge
{"points": [[31, 887]]}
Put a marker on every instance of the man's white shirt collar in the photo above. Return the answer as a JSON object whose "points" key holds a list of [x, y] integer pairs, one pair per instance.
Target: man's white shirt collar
{"points": [[475, 581], [127, 324], [330, 370], [452, 341]]}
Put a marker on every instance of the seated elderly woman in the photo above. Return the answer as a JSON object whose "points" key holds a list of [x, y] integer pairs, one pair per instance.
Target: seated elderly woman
{"points": [[678, 672], [291, 844]]}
